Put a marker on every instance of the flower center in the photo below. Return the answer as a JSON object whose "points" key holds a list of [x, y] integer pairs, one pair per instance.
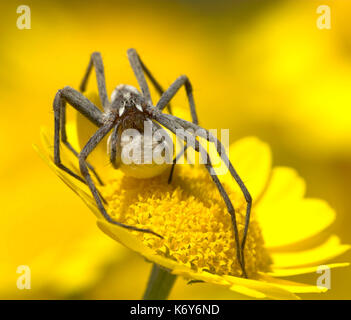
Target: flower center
{"points": [[191, 216]]}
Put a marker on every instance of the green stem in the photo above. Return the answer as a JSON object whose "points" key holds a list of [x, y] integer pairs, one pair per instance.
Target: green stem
{"points": [[160, 284]]}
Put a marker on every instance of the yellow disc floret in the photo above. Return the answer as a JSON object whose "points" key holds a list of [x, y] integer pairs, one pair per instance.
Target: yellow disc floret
{"points": [[191, 216]]}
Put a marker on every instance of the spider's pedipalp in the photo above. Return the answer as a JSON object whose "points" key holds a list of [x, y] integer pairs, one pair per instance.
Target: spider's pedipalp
{"points": [[112, 146], [139, 107], [121, 111]]}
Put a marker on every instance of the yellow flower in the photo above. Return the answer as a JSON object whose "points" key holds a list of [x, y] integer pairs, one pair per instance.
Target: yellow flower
{"points": [[190, 214]]}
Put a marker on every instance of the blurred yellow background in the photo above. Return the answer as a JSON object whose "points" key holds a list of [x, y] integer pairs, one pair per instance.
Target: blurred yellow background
{"points": [[257, 67]]}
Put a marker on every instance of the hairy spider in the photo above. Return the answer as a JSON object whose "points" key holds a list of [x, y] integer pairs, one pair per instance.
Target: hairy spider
{"points": [[129, 108]]}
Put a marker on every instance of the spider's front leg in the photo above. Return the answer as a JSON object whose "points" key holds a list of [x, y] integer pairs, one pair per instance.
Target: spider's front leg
{"points": [[136, 64], [139, 69], [84, 106], [88, 148], [171, 92], [96, 61]]}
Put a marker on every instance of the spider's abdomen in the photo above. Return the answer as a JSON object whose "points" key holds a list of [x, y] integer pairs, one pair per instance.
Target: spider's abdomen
{"points": [[143, 152], [149, 166], [142, 148]]}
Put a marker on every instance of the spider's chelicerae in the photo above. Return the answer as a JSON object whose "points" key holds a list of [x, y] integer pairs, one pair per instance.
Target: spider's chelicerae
{"points": [[129, 108]]}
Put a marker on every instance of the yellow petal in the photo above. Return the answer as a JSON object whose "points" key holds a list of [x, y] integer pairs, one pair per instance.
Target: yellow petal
{"points": [[252, 159], [270, 290], [277, 272], [67, 157], [253, 288], [293, 286], [328, 250], [76, 186], [92, 255], [249, 287], [285, 185], [285, 216], [266, 286], [248, 292], [72, 134], [215, 279], [129, 240]]}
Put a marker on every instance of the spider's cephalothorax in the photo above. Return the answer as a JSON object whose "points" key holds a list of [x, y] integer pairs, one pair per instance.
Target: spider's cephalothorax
{"points": [[127, 100], [131, 109], [137, 156]]}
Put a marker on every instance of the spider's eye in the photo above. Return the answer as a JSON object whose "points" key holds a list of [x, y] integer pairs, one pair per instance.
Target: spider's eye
{"points": [[125, 90]]}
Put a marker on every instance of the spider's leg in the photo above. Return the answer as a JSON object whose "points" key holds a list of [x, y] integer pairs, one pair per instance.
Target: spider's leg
{"points": [[229, 206], [136, 63], [152, 79], [113, 146], [175, 160], [171, 92], [88, 148], [221, 151], [179, 128], [167, 97], [139, 74], [65, 141], [96, 61], [84, 106]]}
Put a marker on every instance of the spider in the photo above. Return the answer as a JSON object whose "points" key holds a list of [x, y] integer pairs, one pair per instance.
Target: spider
{"points": [[129, 108]]}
